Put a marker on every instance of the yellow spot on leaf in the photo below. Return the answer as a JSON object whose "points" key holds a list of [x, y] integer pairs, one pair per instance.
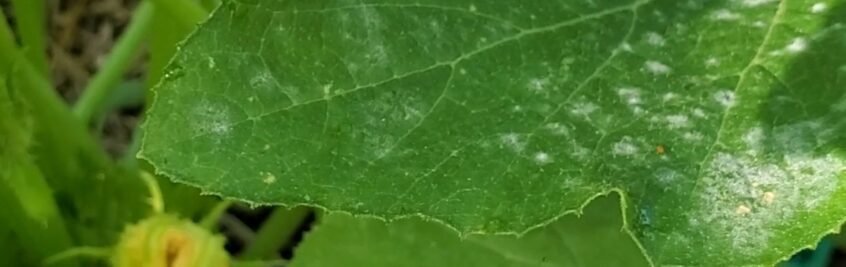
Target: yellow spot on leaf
{"points": [[768, 198], [742, 210]]}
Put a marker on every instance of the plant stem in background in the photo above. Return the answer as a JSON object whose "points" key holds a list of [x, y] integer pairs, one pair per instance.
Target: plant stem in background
{"points": [[209, 222], [106, 80], [51, 109], [275, 232], [49, 234], [32, 30], [187, 13], [90, 252]]}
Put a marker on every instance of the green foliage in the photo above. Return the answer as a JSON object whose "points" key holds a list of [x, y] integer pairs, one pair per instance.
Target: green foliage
{"points": [[596, 238], [31, 216], [58, 189], [31, 26], [719, 121], [439, 133]]}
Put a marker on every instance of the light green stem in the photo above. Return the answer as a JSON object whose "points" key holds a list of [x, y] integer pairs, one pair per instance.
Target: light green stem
{"points": [[209, 222], [124, 52], [187, 13], [32, 30], [275, 232], [91, 252]]}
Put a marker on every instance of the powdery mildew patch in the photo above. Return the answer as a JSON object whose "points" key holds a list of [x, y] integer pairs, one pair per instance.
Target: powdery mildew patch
{"points": [[216, 119], [747, 195]]}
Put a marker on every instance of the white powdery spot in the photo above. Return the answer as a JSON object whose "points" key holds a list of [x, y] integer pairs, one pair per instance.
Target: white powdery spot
{"points": [[211, 118], [219, 127], [670, 97], [513, 141], [472, 8], [818, 8], [625, 147], [699, 113], [755, 3], [743, 197], [542, 158], [656, 67], [268, 178], [726, 98], [667, 176], [712, 62], [754, 140], [819, 175], [584, 109], [795, 137], [630, 95], [211, 62], [262, 80], [655, 39], [580, 152], [797, 45], [677, 121], [557, 128], [724, 14], [538, 85], [693, 136]]}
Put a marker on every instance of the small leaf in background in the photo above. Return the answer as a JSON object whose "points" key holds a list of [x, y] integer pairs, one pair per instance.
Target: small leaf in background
{"points": [[720, 121], [596, 238]]}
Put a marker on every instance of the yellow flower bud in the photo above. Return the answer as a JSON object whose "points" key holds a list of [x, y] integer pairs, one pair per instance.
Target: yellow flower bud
{"points": [[167, 241]]}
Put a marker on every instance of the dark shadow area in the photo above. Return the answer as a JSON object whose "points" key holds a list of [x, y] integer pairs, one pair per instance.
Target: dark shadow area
{"points": [[812, 93]]}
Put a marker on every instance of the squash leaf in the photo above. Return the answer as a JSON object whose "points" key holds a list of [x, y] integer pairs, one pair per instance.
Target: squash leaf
{"points": [[721, 122]]}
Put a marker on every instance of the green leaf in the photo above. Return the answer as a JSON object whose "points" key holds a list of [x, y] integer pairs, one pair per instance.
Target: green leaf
{"points": [[720, 121], [30, 23], [594, 239], [32, 219], [16, 167]]}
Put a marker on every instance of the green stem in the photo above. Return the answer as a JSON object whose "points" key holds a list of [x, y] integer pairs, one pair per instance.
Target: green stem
{"points": [[209, 222], [156, 199], [32, 30], [275, 232], [187, 13], [91, 252], [125, 50]]}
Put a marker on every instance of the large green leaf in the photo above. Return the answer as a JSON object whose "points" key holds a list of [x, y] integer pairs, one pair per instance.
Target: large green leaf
{"points": [[720, 121], [594, 239]]}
